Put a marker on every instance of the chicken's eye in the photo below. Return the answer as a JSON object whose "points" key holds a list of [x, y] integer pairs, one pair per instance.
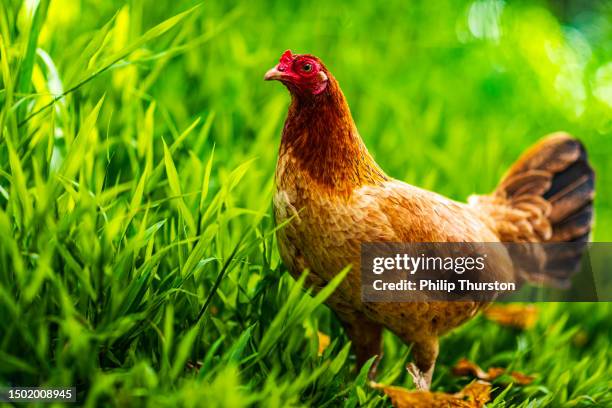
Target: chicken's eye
{"points": [[307, 67]]}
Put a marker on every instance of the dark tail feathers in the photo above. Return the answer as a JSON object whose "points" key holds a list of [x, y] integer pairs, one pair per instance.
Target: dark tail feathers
{"points": [[553, 183]]}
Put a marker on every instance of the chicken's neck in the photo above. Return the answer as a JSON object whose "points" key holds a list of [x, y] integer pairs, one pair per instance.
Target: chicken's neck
{"points": [[321, 136]]}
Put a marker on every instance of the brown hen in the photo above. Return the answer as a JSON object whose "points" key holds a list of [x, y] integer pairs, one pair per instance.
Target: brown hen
{"points": [[336, 197]]}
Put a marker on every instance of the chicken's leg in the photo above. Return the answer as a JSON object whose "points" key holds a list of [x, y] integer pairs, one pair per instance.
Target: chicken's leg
{"points": [[366, 337], [425, 354]]}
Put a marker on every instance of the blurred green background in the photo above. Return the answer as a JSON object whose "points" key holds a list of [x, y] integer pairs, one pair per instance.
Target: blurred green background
{"points": [[141, 266]]}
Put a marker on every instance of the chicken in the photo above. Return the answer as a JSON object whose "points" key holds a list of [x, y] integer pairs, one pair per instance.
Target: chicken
{"points": [[333, 197]]}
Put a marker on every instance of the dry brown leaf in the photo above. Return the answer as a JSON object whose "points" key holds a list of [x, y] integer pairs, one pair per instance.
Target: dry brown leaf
{"points": [[494, 372], [468, 368], [478, 393], [521, 378], [323, 342], [474, 395], [520, 316]]}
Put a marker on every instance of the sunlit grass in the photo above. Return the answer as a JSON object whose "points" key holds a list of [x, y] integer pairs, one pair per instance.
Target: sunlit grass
{"points": [[137, 150]]}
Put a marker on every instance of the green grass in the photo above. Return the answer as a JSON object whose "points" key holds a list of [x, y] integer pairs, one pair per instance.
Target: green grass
{"points": [[137, 151]]}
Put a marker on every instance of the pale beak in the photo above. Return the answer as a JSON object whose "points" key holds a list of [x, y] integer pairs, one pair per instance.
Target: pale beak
{"points": [[272, 74]]}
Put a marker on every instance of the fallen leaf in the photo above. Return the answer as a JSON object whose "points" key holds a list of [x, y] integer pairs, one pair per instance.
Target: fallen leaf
{"points": [[474, 395], [494, 372], [520, 316], [323, 342], [521, 378], [465, 367], [478, 393]]}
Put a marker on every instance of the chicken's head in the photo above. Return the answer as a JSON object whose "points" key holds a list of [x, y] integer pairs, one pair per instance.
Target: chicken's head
{"points": [[302, 74]]}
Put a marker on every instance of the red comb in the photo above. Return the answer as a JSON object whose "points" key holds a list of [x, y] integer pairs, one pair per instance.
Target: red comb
{"points": [[287, 57]]}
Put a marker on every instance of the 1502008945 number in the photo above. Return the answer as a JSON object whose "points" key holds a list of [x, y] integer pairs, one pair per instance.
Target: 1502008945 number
{"points": [[25, 394]]}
